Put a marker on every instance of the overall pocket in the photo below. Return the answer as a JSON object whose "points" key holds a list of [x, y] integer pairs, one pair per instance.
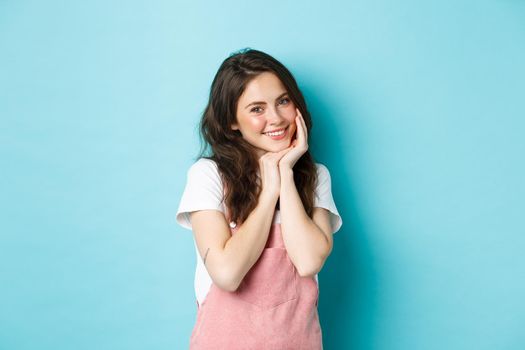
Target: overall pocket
{"points": [[271, 281]]}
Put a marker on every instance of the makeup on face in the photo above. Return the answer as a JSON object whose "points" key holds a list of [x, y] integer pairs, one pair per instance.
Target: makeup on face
{"points": [[266, 114]]}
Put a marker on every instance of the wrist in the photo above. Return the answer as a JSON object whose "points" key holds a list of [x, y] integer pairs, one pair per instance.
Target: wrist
{"points": [[268, 196], [286, 178], [286, 172]]}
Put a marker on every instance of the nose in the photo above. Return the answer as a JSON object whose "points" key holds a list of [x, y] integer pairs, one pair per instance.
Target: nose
{"points": [[273, 117]]}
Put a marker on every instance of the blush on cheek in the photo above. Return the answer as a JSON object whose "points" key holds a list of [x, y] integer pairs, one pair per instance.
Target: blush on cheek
{"points": [[257, 125], [291, 114]]}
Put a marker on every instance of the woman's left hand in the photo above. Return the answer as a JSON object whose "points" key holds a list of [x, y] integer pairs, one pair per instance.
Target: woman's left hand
{"points": [[299, 145]]}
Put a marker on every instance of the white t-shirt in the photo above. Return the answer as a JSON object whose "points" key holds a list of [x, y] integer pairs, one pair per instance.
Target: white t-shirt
{"points": [[204, 190]]}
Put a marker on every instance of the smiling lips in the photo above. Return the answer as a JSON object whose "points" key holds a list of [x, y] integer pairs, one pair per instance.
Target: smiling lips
{"points": [[278, 134]]}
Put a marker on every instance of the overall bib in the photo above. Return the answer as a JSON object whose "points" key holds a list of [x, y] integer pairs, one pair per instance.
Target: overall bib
{"points": [[273, 309]]}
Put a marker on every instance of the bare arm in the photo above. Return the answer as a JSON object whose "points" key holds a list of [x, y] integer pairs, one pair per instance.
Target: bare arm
{"points": [[229, 258], [308, 241]]}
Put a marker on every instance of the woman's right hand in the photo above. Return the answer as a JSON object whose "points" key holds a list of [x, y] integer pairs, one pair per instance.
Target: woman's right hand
{"points": [[269, 169]]}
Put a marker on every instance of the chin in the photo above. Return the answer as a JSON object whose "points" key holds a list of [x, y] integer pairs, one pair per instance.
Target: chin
{"points": [[276, 147]]}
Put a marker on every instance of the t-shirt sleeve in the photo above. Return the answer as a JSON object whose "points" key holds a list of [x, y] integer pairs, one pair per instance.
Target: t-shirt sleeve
{"points": [[323, 196], [203, 191]]}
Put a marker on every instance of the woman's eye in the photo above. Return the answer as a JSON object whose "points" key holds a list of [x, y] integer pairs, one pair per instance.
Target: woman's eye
{"points": [[284, 101], [256, 109]]}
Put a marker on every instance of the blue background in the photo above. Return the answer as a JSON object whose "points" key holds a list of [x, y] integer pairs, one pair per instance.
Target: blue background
{"points": [[418, 113]]}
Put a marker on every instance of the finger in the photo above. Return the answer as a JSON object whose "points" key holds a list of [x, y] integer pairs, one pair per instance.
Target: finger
{"points": [[303, 123], [278, 155], [297, 125], [269, 158], [274, 157], [286, 150], [305, 129], [301, 132]]}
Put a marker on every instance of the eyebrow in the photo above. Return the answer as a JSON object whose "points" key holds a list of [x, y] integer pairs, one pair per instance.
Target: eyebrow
{"points": [[262, 102]]}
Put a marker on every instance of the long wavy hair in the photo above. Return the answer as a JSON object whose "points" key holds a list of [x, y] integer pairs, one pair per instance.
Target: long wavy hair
{"points": [[235, 157]]}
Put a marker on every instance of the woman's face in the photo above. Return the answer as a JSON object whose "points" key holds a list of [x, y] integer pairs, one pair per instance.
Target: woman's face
{"points": [[266, 114]]}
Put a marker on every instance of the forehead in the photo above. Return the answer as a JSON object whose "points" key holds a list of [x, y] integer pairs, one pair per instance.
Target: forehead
{"points": [[265, 86]]}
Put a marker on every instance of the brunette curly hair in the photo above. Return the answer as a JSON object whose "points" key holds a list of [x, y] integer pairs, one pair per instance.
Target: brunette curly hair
{"points": [[235, 157]]}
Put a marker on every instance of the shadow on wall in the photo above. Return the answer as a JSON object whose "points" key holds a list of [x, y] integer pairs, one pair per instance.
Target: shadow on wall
{"points": [[348, 288]]}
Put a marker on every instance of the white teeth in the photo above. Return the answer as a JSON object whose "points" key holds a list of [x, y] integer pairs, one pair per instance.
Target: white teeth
{"points": [[275, 133]]}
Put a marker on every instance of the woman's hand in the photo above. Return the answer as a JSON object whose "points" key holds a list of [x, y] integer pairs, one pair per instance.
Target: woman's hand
{"points": [[269, 169], [299, 145]]}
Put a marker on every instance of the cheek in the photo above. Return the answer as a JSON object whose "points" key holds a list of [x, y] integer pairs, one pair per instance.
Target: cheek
{"points": [[256, 125], [290, 115], [290, 112]]}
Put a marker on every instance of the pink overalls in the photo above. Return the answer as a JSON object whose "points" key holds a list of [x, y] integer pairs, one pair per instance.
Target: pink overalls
{"points": [[273, 309]]}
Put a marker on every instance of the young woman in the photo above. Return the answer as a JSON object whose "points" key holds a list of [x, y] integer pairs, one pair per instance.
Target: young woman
{"points": [[261, 211]]}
